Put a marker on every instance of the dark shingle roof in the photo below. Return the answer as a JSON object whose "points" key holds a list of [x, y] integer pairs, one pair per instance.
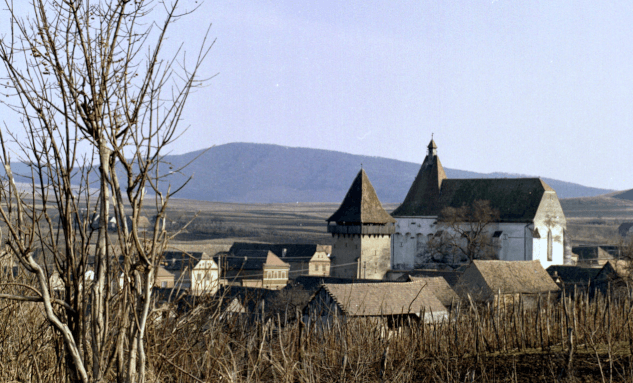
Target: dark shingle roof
{"points": [[313, 282], [573, 275], [375, 299], [423, 196], [251, 260], [300, 252], [361, 204], [516, 199], [179, 260], [590, 253]]}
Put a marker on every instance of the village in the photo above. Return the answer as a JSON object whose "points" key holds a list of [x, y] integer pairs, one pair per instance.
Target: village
{"points": [[481, 241], [246, 192]]}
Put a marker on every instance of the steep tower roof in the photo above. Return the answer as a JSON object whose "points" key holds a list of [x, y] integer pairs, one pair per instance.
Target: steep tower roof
{"points": [[423, 196], [361, 204]]}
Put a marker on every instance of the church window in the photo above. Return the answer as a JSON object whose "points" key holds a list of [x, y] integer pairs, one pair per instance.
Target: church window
{"points": [[549, 246]]}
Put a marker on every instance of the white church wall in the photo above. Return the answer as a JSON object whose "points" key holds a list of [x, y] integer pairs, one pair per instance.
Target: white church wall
{"points": [[409, 240], [550, 219]]}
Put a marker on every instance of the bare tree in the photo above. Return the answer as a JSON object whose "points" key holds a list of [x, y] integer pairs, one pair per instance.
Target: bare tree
{"points": [[464, 233], [98, 103]]}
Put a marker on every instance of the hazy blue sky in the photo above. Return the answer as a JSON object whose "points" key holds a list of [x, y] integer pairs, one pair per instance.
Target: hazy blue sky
{"points": [[542, 88]]}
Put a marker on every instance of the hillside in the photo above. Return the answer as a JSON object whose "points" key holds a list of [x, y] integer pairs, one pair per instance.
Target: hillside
{"points": [[262, 173]]}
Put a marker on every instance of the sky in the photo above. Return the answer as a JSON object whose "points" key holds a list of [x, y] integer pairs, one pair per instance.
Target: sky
{"points": [[542, 88]]}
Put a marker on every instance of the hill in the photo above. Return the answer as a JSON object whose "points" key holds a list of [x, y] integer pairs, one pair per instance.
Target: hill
{"points": [[263, 173], [625, 195]]}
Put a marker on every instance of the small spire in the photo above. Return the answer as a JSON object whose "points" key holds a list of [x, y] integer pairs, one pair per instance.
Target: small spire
{"points": [[432, 147]]}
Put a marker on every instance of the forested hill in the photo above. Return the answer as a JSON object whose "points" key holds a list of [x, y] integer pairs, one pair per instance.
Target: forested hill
{"points": [[263, 173]]}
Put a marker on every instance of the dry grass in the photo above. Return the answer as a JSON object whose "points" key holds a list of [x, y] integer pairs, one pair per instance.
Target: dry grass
{"points": [[489, 343]]}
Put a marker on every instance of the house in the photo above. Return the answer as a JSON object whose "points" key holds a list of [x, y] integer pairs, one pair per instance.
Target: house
{"points": [[196, 271], [390, 301], [614, 277], [254, 268], [313, 282], [164, 279], [251, 303], [593, 256], [304, 259], [625, 229], [439, 288], [531, 224], [451, 276], [573, 277], [362, 229], [496, 281]]}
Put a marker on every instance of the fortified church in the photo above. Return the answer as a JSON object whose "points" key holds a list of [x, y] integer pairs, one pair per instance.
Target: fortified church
{"points": [[369, 241], [531, 224]]}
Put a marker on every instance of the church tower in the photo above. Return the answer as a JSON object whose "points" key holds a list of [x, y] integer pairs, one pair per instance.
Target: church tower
{"points": [[363, 232], [424, 194]]}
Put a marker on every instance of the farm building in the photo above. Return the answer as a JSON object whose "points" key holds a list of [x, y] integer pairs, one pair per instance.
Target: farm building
{"points": [[164, 279], [192, 270], [304, 259], [439, 288], [531, 223], [490, 281], [569, 277], [363, 233], [254, 268], [593, 256], [313, 282], [451, 276], [388, 301], [614, 277]]}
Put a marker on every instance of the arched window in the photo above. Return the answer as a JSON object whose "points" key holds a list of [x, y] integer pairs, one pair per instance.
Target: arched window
{"points": [[549, 245]]}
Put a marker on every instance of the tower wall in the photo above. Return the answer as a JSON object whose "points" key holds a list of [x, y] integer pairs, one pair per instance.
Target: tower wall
{"points": [[361, 256]]}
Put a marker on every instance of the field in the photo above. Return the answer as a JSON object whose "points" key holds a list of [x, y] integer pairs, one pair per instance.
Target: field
{"points": [[590, 221], [214, 225]]}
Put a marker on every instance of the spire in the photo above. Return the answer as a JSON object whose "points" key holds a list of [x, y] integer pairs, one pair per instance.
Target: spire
{"points": [[424, 194], [361, 204], [432, 148]]}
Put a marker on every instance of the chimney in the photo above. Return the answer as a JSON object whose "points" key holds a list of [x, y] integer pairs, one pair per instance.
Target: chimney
{"points": [[283, 252]]}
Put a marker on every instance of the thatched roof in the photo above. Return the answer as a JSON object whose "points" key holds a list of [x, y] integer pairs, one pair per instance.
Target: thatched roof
{"points": [[377, 299], [361, 204], [486, 278], [438, 287], [451, 276]]}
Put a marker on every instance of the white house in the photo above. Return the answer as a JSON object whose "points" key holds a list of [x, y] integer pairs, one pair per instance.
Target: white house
{"points": [[531, 224]]}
